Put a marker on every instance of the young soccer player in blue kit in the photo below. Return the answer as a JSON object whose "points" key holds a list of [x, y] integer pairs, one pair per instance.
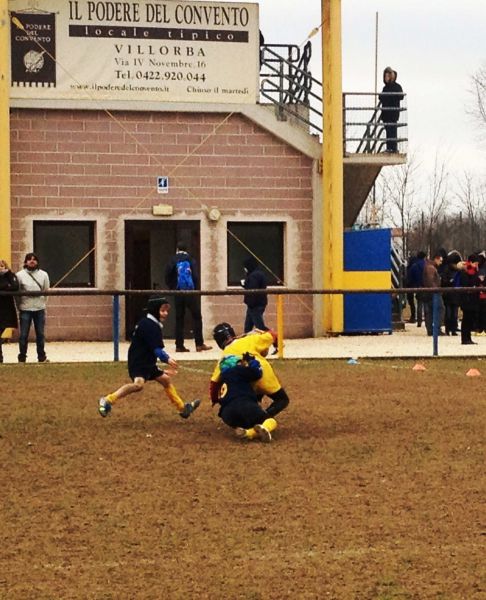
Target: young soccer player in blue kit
{"points": [[239, 405], [146, 347]]}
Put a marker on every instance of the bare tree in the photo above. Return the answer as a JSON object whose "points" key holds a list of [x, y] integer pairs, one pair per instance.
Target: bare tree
{"points": [[437, 203], [479, 93], [374, 212], [471, 196], [400, 188]]}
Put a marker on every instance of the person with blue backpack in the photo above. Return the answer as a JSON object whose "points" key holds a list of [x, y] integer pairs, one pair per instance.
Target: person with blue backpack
{"points": [[182, 274]]}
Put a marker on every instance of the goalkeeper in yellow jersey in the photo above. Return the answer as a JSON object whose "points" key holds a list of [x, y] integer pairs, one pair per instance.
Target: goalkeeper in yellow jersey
{"points": [[256, 343]]}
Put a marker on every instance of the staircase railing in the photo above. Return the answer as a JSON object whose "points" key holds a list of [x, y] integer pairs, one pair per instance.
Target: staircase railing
{"points": [[287, 82]]}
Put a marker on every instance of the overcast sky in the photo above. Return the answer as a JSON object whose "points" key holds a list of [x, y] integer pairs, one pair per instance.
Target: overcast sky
{"points": [[435, 45]]}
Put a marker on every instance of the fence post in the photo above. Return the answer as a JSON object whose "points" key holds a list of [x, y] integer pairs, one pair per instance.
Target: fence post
{"points": [[280, 326], [435, 323], [116, 327]]}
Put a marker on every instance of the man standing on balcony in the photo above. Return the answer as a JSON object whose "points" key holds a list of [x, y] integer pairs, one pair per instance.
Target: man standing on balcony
{"points": [[390, 98]]}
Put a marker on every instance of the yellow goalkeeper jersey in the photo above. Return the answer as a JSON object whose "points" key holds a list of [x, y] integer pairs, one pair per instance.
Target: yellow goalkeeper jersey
{"points": [[258, 344]]}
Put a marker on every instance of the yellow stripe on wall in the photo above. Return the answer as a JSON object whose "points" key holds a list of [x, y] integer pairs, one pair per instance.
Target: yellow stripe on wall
{"points": [[359, 280]]}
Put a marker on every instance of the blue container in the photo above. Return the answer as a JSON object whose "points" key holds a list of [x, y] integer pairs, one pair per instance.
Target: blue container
{"points": [[367, 250]]}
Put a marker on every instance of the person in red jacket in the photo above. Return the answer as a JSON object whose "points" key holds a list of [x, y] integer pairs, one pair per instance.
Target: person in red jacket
{"points": [[469, 302]]}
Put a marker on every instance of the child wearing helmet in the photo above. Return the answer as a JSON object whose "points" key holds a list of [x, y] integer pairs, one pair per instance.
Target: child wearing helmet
{"points": [[257, 343], [146, 347], [239, 406]]}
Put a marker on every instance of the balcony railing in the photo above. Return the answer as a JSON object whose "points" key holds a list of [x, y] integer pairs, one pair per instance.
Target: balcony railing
{"points": [[365, 122], [287, 82]]}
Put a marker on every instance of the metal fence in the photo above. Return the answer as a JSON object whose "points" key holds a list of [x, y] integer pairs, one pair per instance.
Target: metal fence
{"points": [[116, 294]]}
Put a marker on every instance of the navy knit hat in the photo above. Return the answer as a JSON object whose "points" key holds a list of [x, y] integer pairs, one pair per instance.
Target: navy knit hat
{"points": [[154, 304]]}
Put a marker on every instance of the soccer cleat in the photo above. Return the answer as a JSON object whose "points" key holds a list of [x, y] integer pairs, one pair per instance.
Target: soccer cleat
{"points": [[264, 435], [104, 407], [189, 408], [240, 432]]}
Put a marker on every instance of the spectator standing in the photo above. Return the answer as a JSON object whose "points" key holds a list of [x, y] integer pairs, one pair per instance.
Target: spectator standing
{"points": [[410, 295], [32, 308], [431, 279], [182, 274], [255, 303], [415, 280], [390, 98], [469, 277], [449, 278], [482, 296], [8, 314]]}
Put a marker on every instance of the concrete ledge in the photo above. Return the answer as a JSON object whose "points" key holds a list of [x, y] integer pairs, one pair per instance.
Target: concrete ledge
{"points": [[410, 343]]}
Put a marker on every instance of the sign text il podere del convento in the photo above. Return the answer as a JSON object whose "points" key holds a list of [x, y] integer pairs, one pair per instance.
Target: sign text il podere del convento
{"points": [[141, 50]]}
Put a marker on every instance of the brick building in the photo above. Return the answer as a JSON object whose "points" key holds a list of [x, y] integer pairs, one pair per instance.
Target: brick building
{"points": [[84, 182]]}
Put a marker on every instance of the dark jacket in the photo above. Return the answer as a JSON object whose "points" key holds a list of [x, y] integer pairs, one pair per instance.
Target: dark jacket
{"points": [[146, 337], [8, 314], [237, 383], [390, 98], [448, 279], [171, 270], [255, 280], [469, 278], [415, 273]]}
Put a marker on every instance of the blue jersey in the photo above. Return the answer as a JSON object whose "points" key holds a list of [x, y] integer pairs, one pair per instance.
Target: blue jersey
{"points": [[236, 383], [146, 338]]}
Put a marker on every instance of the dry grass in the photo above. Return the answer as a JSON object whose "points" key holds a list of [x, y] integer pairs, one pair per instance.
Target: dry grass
{"points": [[372, 489]]}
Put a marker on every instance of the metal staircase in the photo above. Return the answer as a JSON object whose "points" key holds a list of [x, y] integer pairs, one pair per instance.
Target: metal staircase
{"points": [[287, 83]]}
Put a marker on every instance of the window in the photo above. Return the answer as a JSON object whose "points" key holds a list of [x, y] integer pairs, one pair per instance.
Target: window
{"points": [[63, 244], [265, 240]]}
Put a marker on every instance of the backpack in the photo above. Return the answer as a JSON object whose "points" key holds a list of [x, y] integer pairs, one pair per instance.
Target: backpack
{"points": [[184, 275]]}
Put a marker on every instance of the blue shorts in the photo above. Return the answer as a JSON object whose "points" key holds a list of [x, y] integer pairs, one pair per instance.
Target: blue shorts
{"points": [[244, 412]]}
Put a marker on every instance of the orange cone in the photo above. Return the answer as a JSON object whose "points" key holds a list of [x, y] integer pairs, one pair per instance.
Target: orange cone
{"points": [[473, 373], [419, 367]]}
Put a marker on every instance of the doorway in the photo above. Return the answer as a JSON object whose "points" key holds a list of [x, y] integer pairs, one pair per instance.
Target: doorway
{"points": [[149, 245]]}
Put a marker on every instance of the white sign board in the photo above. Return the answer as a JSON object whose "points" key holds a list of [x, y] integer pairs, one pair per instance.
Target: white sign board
{"points": [[172, 51]]}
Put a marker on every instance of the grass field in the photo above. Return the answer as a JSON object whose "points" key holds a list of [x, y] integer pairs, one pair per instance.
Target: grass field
{"points": [[373, 487]]}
